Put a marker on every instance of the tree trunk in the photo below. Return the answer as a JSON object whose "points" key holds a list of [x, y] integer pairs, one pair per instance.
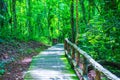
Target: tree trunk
{"points": [[1, 13], [91, 9], [72, 21], [77, 29], [3, 10], [83, 11], [49, 23], [14, 18], [28, 2]]}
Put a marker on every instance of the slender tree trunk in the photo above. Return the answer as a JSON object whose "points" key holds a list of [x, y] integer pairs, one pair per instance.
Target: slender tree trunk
{"points": [[58, 15], [14, 18], [72, 21], [91, 9], [1, 13], [83, 11], [28, 3], [49, 23], [77, 29]]}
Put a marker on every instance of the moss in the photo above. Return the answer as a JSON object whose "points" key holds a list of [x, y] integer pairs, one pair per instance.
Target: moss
{"points": [[28, 76], [69, 68]]}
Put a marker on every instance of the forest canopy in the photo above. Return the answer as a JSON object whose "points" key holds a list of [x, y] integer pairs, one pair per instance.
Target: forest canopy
{"points": [[98, 30]]}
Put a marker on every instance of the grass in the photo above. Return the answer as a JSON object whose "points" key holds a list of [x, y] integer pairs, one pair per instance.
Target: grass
{"points": [[28, 77], [68, 67]]}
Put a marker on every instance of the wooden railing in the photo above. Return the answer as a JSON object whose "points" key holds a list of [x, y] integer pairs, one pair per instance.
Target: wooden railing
{"points": [[81, 62]]}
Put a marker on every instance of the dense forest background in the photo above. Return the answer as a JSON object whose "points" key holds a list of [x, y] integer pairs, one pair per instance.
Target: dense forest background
{"points": [[94, 25]]}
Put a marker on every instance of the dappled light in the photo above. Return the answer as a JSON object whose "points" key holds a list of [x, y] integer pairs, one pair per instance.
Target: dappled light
{"points": [[50, 65], [75, 39], [49, 74]]}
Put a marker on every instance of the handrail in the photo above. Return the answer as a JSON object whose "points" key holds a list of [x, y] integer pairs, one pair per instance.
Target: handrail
{"points": [[87, 59]]}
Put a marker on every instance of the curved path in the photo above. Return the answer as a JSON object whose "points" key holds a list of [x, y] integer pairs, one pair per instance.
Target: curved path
{"points": [[51, 64]]}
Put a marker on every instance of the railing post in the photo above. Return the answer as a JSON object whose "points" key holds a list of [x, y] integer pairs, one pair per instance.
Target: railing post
{"points": [[85, 68], [65, 45], [73, 53], [78, 58], [86, 58], [97, 77], [68, 48]]}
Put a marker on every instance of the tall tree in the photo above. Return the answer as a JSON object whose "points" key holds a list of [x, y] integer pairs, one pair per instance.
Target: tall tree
{"points": [[72, 21], [14, 18], [83, 11], [91, 9], [3, 10], [77, 29], [49, 22], [28, 9]]}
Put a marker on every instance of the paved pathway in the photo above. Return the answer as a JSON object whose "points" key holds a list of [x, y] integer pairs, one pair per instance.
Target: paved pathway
{"points": [[51, 64]]}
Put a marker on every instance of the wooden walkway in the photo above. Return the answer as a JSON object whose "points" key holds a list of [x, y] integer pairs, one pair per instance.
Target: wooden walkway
{"points": [[51, 64]]}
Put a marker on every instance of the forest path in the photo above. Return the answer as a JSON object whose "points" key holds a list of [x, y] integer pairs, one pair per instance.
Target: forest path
{"points": [[51, 64]]}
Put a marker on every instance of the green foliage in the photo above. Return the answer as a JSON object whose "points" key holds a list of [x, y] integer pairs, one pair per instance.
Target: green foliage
{"points": [[100, 37], [45, 20], [1, 41], [40, 20], [2, 70]]}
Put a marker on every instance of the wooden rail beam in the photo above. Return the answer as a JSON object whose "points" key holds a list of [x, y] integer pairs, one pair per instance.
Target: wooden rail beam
{"points": [[88, 59]]}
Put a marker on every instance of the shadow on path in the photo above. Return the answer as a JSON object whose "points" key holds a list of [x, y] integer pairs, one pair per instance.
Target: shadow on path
{"points": [[51, 64]]}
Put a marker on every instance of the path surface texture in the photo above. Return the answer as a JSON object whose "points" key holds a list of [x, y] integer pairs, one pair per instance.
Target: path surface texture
{"points": [[50, 64]]}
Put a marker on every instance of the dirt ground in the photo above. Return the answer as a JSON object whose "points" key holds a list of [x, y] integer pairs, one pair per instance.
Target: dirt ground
{"points": [[16, 57]]}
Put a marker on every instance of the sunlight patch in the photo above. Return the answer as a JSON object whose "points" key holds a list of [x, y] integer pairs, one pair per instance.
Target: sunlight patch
{"points": [[49, 74]]}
